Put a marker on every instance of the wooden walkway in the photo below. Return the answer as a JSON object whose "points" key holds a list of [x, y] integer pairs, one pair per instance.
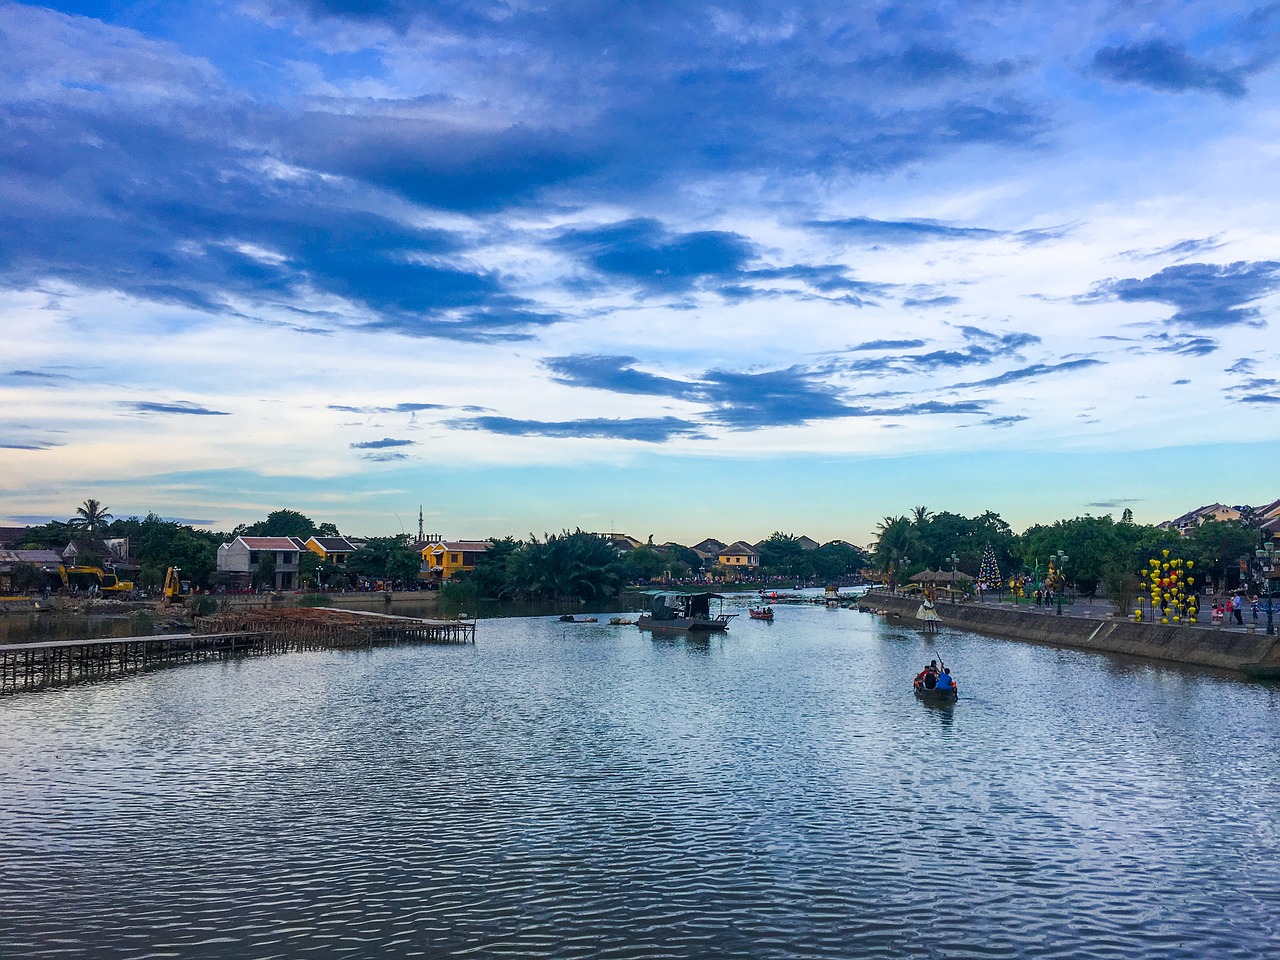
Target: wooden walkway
{"points": [[34, 666]]}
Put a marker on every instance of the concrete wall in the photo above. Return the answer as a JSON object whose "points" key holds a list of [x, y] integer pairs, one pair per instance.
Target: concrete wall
{"points": [[1203, 646]]}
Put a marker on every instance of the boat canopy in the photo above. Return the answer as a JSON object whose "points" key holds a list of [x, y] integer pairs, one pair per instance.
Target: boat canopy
{"points": [[683, 606]]}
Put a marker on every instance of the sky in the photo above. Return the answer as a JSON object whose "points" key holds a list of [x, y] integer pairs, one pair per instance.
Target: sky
{"points": [[677, 269]]}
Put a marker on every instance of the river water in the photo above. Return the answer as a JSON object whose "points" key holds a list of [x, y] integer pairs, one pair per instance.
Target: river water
{"points": [[585, 790]]}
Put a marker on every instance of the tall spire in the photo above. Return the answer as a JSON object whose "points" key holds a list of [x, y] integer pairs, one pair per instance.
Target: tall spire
{"points": [[420, 537]]}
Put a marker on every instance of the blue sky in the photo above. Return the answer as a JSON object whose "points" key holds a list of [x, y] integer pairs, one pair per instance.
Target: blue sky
{"points": [[677, 269]]}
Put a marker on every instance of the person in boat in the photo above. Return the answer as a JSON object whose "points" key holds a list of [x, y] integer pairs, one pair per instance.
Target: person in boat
{"points": [[944, 680], [928, 677]]}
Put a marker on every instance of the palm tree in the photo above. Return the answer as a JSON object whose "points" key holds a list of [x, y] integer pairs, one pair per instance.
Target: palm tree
{"points": [[896, 543], [90, 516]]}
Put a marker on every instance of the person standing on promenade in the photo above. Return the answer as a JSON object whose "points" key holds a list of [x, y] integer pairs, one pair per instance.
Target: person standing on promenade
{"points": [[1236, 605]]}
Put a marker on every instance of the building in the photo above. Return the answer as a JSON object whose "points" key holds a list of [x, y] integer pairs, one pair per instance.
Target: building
{"points": [[1189, 521], [114, 552], [12, 537], [708, 549], [740, 556], [240, 558], [1269, 518], [444, 559], [621, 542], [44, 562], [335, 550]]}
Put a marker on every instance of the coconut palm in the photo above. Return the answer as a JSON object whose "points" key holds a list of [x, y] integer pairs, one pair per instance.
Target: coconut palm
{"points": [[90, 516], [896, 543]]}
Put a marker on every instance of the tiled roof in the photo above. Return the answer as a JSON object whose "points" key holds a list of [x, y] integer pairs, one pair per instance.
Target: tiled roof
{"points": [[335, 544], [465, 546], [741, 548], [273, 543]]}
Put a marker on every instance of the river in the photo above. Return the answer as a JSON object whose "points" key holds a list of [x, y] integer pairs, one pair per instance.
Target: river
{"points": [[585, 790]]}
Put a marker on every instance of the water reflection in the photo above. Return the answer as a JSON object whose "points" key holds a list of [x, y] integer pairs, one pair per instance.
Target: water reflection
{"points": [[585, 790]]}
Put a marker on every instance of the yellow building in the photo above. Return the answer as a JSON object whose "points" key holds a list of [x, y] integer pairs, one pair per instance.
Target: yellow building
{"points": [[740, 556], [444, 559], [335, 550]]}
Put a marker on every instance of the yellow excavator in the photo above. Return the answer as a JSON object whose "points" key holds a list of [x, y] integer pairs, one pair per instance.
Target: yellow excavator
{"points": [[105, 580], [176, 590]]}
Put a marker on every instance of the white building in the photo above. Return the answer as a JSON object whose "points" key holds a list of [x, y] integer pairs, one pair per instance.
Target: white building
{"points": [[240, 558]]}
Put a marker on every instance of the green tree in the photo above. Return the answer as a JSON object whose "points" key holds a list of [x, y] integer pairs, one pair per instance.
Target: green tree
{"points": [[898, 548], [1091, 543], [838, 559], [280, 523], [309, 564], [782, 555], [264, 575], [567, 566], [91, 516], [645, 563], [684, 561], [26, 578], [1219, 546], [1122, 584], [54, 535], [160, 544], [386, 558], [493, 577]]}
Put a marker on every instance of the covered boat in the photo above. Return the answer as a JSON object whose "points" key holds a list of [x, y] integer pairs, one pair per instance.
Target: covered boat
{"points": [[684, 611]]}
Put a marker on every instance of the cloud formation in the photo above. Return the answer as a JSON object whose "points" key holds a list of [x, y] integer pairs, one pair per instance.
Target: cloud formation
{"points": [[1161, 65], [382, 444], [1205, 295], [183, 407]]}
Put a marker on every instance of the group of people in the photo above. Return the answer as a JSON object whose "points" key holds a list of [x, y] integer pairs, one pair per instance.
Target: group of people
{"points": [[935, 677], [1232, 610]]}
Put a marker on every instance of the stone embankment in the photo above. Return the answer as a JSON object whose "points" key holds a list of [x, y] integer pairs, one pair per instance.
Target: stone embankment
{"points": [[1253, 653]]}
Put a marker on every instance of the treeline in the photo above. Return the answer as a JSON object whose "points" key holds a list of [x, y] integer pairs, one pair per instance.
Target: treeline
{"points": [[1101, 551], [585, 566], [159, 544]]}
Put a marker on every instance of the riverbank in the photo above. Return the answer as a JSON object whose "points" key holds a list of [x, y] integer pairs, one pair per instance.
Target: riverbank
{"points": [[1250, 652]]}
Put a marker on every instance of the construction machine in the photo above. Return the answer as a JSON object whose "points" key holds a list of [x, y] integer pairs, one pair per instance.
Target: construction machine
{"points": [[176, 590], [105, 580]]}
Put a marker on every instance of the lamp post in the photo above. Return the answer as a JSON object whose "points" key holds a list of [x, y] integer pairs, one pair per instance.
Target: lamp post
{"points": [[953, 560], [1268, 553], [1062, 559]]}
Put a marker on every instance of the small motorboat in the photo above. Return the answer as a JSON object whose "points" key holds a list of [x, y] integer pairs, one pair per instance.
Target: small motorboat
{"points": [[760, 613]]}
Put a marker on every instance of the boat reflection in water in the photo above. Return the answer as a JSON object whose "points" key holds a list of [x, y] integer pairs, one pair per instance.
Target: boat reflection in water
{"points": [[684, 611]]}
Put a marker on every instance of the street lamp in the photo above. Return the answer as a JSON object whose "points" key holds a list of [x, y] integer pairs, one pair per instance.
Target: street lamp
{"points": [[1268, 553], [1059, 580], [953, 560]]}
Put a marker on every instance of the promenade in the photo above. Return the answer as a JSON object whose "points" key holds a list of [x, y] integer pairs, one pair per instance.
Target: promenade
{"points": [[1247, 648]]}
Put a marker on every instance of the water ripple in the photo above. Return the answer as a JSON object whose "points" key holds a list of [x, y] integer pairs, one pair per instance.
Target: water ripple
{"points": [[770, 793]]}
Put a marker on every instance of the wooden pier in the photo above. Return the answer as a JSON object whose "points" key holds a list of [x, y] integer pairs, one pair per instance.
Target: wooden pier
{"points": [[33, 666]]}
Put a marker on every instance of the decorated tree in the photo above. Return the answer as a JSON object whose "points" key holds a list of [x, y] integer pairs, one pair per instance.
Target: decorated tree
{"points": [[989, 572]]}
